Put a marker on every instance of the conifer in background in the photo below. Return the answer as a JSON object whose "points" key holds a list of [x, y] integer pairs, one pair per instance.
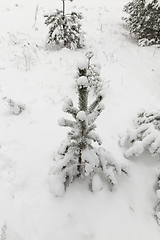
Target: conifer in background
{"points": [[145, 135], [65, 29], [143, 21]]}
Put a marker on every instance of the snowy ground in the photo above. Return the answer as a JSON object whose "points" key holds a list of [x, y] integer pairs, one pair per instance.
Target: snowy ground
{"points": [[41, 79]]}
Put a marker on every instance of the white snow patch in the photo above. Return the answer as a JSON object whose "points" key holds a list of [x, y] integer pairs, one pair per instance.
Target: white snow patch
{"points": [[81, 116], [96, 183], [82, 81]]}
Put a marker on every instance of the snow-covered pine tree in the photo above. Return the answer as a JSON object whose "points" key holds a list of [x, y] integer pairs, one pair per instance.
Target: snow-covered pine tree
{"points": [[77, 157], [91, 70], [145, 135], [143, 21], [65, 29]]}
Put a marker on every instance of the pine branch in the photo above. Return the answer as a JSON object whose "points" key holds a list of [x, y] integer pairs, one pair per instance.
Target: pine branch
{"points": [[95, 103], [71, 110], [81, 120], [82, 84], [95, 137], [67, 123], [90, 128], [65, 145], [74, 136], [94, 115]]}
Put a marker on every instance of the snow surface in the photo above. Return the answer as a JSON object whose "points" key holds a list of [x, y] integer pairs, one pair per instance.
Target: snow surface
{"points": [[41, 80], [96, 183]]}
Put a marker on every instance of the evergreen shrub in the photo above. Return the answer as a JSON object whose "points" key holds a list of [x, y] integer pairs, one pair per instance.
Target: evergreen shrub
{"points": [[143, 21], [65, 29], [145, 135]]}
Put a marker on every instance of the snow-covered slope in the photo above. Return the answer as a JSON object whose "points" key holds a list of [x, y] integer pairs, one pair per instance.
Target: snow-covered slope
{"points": [[41, 80]]}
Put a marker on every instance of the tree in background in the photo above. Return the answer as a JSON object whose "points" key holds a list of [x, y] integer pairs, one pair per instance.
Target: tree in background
{"points": [[65, 29], [145, 135], [143, 21]]}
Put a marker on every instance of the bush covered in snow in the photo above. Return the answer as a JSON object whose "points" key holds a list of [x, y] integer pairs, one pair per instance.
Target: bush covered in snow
{"points": [[143, 21], [15, 108], [145, 135], [65, 29], [91, 70], [77, 157]]}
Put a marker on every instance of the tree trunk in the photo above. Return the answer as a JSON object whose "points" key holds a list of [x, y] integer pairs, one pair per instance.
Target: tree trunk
{"points": [[79, 164], [83, 98], [63, 22]]}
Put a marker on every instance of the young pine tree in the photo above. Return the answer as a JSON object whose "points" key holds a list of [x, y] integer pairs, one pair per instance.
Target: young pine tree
{"points": [[143, 21], [77, 157], [65, 29]]}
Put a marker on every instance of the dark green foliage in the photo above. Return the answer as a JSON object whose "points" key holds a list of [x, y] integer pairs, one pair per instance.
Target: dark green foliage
{"points": [[77, 156], [65, 29], [143, 21], [83, 98], [82, 132]]}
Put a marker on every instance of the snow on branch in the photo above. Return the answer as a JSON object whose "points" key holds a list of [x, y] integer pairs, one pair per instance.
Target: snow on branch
{"points": [[94, 115], [95, 137], [90, 70], [67, 123], [146, 134], [110, 166], [69, 108], [96, 102]]}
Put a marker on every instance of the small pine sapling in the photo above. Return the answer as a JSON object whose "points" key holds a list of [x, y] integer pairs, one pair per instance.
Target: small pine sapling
{"points": [[65, 29], [145, 135], [77, 157], [92, 72]]}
